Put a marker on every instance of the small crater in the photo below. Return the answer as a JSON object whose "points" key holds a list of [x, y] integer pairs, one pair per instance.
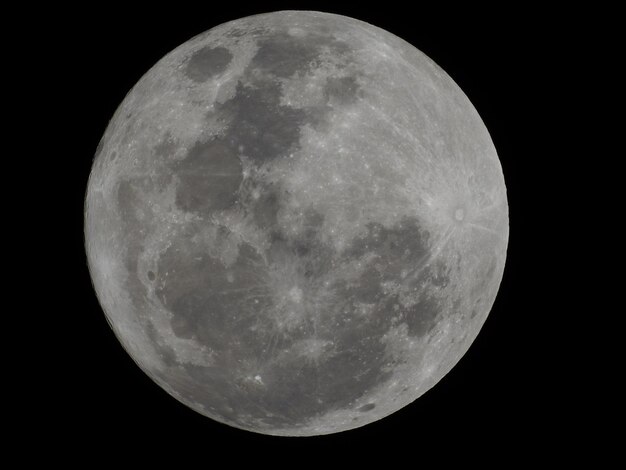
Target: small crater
{"points": [[236, 33], [207, 62], [368, 407], [241, 32], [151, 275]]}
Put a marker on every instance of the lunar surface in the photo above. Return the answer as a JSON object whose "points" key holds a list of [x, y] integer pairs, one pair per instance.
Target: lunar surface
{"points": [[296, 223]]}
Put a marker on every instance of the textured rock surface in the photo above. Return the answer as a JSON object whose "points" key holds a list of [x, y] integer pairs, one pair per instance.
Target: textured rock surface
{"points": [[296, 223]]}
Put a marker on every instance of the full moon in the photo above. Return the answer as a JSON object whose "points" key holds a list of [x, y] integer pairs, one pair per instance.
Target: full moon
{"points": [[296, 223]]}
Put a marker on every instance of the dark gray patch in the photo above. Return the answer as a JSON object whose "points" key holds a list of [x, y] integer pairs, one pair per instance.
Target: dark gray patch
{"points": [[130, 205], [151, 276], [390, 252], [224, 316], [341, 90], [265, 209], [484, 277], [398, 249], [366, 408], [126, 200], [207, 62], [421, 317], [491, 270], [210, 177], [303, 390], [260, 125], [476, 307], [236, 33], [282, 54], [260, 128], [205, 305], [403, 246], [367, 288], [308, 243]]}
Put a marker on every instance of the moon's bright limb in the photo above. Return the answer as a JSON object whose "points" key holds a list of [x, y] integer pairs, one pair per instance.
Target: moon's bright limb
{"points": [[296, 223]]}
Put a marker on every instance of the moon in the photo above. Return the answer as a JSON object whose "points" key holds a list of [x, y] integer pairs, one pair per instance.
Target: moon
{"points": [[296, 223]]}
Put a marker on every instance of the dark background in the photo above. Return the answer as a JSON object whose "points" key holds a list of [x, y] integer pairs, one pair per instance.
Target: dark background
{"points": [[504, 396]]}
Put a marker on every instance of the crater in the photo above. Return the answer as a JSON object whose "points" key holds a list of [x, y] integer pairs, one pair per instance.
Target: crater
{"points": [[207, 62], [366, 408]]}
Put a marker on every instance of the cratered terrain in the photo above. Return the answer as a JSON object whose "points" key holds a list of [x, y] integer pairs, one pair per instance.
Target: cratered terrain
{"points": [[296, 223]]}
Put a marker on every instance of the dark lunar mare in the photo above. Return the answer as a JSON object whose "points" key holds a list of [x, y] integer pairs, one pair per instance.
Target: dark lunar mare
{"points": [[207, 63], [229, 310], [209, 177], [259, 127]]}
